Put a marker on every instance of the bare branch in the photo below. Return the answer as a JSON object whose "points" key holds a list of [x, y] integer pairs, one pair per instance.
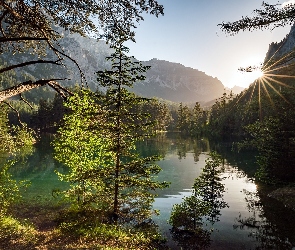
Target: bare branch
{"points": [[26, 86], [59, 89], [56, 51], [25, 38], [28, 63], [16, 111], [25, 101]]}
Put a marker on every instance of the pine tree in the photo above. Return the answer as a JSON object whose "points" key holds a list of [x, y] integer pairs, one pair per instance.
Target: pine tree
{"points": [[132, 174], [98, 143], [183, 118]]}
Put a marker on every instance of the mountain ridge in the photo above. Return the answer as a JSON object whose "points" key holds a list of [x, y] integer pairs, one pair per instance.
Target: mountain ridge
{"points": [[167, 80]]}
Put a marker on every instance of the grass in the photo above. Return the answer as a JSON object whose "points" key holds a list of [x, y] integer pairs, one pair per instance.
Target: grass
{"points": [[52, 226]]}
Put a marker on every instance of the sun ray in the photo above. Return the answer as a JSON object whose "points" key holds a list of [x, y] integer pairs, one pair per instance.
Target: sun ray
{"points": [[278, 82], [276, 62], [267, 93], [254, 86], [259, 100], [278, 68], [269, 84], [282, 76]]}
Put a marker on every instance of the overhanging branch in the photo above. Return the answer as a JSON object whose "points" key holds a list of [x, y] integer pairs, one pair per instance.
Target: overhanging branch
{"points": [[28, 63], [17, 39], [26, 86]]}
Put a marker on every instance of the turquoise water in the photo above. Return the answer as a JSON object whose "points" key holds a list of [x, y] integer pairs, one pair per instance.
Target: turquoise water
{"points": [[274, 226]]}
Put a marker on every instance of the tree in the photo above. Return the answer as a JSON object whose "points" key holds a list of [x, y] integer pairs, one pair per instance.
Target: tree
{"points": [[183, 118], [28, 26], [159, 112], [270, 16], [274, 139], [13, 140], [82, 147], [100, 135], [132, 174], [196, 120]]}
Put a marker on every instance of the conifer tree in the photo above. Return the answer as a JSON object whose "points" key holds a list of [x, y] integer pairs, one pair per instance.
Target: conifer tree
{"points": [[133, 175], [98, 143], [183, 118]]}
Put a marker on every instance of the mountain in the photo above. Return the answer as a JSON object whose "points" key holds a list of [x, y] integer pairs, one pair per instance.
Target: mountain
{"points": [[280, 49], [166, 80], [237, 89], [177, 83]]}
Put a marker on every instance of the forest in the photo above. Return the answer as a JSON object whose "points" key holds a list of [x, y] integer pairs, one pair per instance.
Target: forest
{"points": [[111, 186]]}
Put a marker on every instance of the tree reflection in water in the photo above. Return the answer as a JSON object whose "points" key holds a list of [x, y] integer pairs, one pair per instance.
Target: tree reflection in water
{"points": [[205, 203], [262, 224]]}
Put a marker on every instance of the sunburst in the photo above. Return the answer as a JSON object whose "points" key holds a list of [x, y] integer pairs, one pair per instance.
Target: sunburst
{"points": [[270, 78]]}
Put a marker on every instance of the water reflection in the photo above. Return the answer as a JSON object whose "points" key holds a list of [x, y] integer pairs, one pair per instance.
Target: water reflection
{"points": [[239, 226], [205, 204], [252, 221], [39, 170], [198, 239], [271, 225]]}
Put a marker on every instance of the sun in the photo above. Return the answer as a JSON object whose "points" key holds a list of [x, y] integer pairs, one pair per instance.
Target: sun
{"points": [[258, 74], [269, 78]]}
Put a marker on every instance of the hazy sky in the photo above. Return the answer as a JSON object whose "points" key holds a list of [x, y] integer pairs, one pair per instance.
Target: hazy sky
{"points": [[188, 34]]}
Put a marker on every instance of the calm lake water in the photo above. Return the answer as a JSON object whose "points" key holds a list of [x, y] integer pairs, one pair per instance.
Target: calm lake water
{"points": [[266, 223]]}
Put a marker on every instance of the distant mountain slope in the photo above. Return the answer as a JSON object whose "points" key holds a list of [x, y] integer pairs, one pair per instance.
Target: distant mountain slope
{"points": [[237, 89], [166, 80], [177, 83]]}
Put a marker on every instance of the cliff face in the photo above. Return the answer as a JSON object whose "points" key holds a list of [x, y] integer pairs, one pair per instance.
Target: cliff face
{"points": [[282, 48], [171, 81]]}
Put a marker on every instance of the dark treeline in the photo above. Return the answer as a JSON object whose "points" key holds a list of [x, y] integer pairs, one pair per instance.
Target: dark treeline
{"points": [[260, 118]]}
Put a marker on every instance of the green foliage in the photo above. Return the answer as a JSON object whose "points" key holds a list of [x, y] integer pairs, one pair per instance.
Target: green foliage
{"points": [[183, 118], [133, 176], [206, 200], [49, 115], [87, 225], [188, 214], [15, 142], [14, 138], [274, 140], [21, 233], [224, 119], [82, 146], [160, 114], [191, 121], [9, 189], [98, 143]]}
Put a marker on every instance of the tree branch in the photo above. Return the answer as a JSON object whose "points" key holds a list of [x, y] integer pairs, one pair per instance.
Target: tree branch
{"points": [[26, 86], [270, 16], [28, 63], [16, 111], [25, 101], [25, 38]]}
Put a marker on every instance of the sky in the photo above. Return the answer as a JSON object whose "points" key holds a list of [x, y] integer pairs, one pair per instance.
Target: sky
{"points": [[188, 33]]}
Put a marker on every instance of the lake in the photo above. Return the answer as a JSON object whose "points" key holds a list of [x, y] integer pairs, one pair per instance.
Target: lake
{"points": [[252, 220]]}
